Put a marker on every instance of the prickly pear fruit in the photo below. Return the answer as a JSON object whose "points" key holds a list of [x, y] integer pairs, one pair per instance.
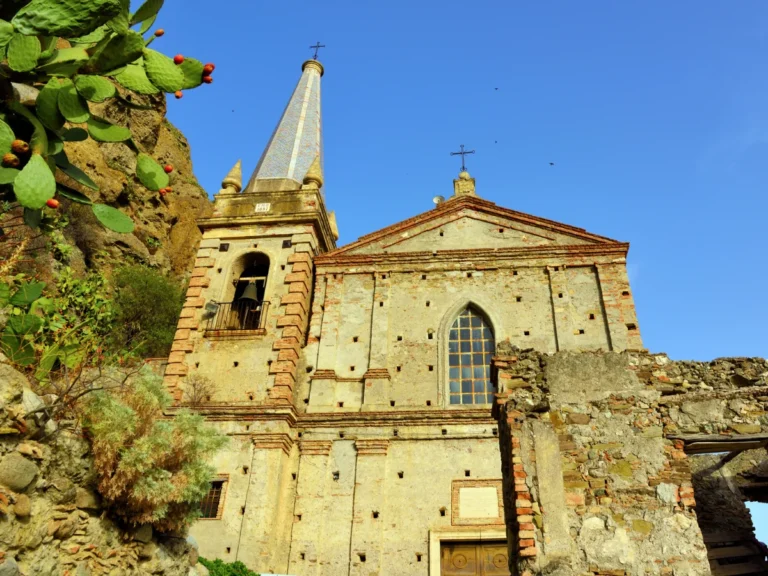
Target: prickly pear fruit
{"points": [[10, 160], [179, 94], [19, 147], [159, 32], [168, 168], [208, 69], [178, 59], [52, 203], [169, 189], [207, 79], [162, 192]]}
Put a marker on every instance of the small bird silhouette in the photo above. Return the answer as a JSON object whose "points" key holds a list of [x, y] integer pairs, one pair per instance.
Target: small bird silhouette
{"points": [[495, 88], [551, 163]]}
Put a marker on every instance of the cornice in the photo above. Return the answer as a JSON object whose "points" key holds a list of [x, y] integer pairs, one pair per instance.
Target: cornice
{"points": [[480, 256]]}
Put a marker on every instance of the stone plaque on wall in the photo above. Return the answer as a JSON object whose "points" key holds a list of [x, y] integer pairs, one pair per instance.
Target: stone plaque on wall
{"points": [[476, 503]]}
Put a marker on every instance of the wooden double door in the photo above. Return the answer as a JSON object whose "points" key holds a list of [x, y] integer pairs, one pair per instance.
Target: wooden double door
{"points": [[474, 559]]}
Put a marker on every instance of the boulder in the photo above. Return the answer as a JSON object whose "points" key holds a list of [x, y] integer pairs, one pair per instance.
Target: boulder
{"points": [[23, 506], [87, 499], [9, 568], [16, 472], [31, 401]]}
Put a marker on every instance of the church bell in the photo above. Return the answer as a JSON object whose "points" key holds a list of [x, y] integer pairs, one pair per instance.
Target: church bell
{"points": [[250, 292]]}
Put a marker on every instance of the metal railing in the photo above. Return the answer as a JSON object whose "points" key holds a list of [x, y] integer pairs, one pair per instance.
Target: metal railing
{"points": [[238, 315]]}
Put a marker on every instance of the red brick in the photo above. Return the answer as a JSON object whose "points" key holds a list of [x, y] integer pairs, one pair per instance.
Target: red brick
{"points": [[294, 299], [527, 543], [176, 358], [302, 267], [176, 370], [199, 283], [284, 379], [282, 366], [524, 511], [298, 288], [517, 467], [188, 313], [299, 257], [528, 552], [573, 499], [288, 354], [690, 502], [521, 488], [182, 346], [182, 334], [293, 332], [188, 323], [194, 303], [194, 291], [296, 310], [527, 526], [290, 320], [205, 262]]}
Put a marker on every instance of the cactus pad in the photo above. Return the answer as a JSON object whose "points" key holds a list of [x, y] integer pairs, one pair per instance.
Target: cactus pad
{"points": [[119, 24], [71, 104], [35, 184], [148, 10], [8, 175], [73, 171], [92, 37], [102, 131], [151, 173], [64, 62], [193, 73], [23, 52], [94, 88], [47, 106], [162, 71], [6, 32], [135, 78], [64, 17], [6, 137], [119, 51], [113, 219]]}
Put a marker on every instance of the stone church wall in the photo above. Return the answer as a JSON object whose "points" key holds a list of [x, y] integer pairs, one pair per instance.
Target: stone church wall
{"points": [[597, 473]]}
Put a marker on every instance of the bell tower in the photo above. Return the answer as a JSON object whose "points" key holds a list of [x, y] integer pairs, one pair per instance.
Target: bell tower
{"points": [[246, 313]]}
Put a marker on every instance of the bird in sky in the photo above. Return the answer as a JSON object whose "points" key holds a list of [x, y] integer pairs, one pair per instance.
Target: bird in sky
{"points": [[551, 163]]}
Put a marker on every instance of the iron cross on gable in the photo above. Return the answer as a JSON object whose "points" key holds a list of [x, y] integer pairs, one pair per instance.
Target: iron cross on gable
{"points": [[462, 153], [316, 47]]}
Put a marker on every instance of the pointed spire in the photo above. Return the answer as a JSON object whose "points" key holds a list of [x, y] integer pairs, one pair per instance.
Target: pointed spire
{"points": [[233, 181], [296, 143]]}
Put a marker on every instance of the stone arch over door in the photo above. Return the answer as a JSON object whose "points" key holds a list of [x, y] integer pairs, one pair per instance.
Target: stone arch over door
{"points": [[443, 337]]}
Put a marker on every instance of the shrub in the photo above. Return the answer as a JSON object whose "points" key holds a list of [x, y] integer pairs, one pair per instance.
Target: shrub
{"points": [[150, 470], [220, 568], [148, 306]]}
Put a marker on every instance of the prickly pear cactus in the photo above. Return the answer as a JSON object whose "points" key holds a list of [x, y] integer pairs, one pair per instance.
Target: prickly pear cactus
{"points": [[74, 52]]}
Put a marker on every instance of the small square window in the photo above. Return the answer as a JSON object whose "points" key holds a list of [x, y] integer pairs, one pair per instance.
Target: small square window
{"points": [[591, 316], [431, 368], [341, 434], [423, 276], [383, 276], [399, 338], [399, 368], [631, 326], [527, 333], [428, 303], [430, 335], [336, 475], [394, 432], [361, 555], [287, 244], [301, 556], [625, 292], [559, 294], [514, 272], [282, 266], [224, 247], [442, 511], [209, 507], [429, 402], [469, 274], [400, 474], [518, 298], [581, 330], [354, 339], [381, 304], [467, 473], [340, 404], [392, 403], [375, 514]]}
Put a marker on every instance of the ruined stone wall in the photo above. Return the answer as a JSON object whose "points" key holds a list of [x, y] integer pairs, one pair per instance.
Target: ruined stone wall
{"points": [[597, 479]]}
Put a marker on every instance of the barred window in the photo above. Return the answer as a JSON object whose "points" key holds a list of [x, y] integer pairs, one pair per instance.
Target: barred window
{"points": [[210, 504], [470, 347]]}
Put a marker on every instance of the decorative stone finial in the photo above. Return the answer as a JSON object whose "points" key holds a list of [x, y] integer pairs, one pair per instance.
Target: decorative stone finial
{"points": [[233, 181], [464, 185], [315, 174], [314, 64], [334, 226]]}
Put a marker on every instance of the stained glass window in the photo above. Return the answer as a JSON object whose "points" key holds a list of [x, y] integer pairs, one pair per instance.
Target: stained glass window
{"points": [[470, 347]]}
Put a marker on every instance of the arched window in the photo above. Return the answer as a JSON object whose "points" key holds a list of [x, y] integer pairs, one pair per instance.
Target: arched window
{"points": [[244, 307], [470, 347]]}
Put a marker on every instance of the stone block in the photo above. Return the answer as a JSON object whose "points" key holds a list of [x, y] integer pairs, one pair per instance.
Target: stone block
{"points": [[182, 346], [296, 309], [579, 419], [298, 288], [290, 320], [746, 428], [188, 313], [526, 552], [301, 267], [194, 302], [210, 243], [285, 379], [205, 262], [281, 366], [194, 291], [289, 354], [199, 272]]}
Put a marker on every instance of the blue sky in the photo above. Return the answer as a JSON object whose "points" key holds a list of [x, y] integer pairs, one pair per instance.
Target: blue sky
{"points": [[655, 114]]}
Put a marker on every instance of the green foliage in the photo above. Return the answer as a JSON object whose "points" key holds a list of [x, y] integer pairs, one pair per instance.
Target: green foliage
{"points": [[147, 309], [151, 173], [105, 47], [220, 568], [151, 470]]}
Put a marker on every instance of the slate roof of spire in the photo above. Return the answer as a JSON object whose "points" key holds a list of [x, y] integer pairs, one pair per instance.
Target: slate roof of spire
{"points": [[298, 138]]}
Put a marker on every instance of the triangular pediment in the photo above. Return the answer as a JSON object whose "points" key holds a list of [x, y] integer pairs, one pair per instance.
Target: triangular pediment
{"points": [[470, 223]]}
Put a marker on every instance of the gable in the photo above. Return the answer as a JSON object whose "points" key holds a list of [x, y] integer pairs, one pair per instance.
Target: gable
{"points": [[468, 224]]}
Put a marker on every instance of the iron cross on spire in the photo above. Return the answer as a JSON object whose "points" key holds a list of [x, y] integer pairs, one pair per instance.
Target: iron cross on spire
{"points": [[316, 47], [462, 153]]}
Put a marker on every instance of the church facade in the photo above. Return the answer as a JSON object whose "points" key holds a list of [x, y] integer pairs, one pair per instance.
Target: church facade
{"points": [[356, 382]]}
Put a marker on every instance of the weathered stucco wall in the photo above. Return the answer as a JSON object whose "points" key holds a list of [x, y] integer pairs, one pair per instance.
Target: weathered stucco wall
{"points": [[596, 474]]}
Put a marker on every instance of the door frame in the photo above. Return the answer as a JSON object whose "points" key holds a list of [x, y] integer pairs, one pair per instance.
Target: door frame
{"points": [[438, 535]]}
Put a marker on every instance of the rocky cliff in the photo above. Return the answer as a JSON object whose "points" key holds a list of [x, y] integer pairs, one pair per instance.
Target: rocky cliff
{"points": [[51, 521], [165, 235]]}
